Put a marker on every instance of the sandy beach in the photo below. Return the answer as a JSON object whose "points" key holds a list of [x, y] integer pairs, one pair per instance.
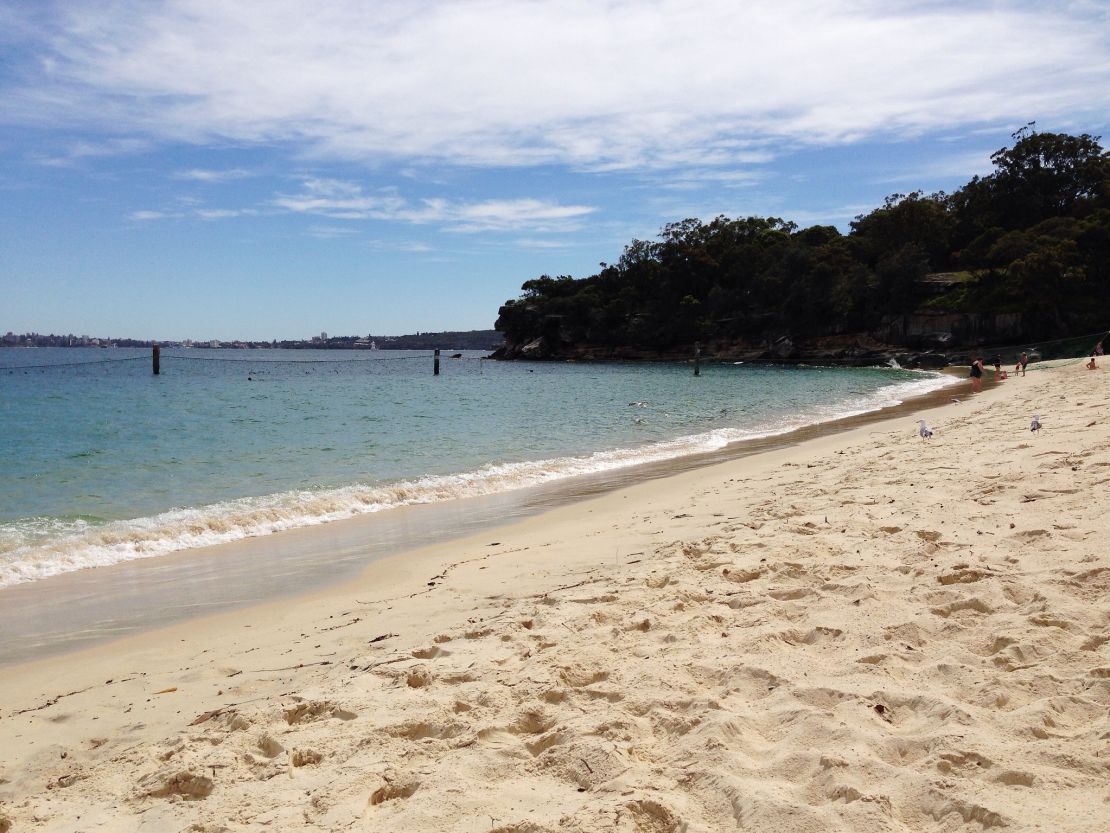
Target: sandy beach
{"points": [[864, 632]]}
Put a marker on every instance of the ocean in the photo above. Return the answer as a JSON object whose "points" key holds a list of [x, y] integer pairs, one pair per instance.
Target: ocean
{"points": [[102, 462]]}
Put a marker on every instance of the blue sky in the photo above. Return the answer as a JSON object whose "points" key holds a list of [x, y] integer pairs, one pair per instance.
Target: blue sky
{"points": [[205, 169]]}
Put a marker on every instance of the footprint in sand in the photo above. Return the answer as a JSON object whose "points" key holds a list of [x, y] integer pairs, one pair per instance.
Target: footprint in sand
{"points": [[961, 574], [315, 710], [419, 677], [393, 791], [422, 729], [577, 676], [541, 744], [269, 747], [1015, 778], [743, 576], [430, 652], [182, 783], [306, 757], [940, 806], [974, 605], [963, 762]]}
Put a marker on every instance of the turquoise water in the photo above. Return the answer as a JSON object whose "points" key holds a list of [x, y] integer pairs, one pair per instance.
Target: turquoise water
{"points": [[104, 462]]}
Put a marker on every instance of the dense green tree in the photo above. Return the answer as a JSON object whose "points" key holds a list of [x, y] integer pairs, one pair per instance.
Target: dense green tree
{"points": [[1043, 175], [906, 220], [1031, 237]]}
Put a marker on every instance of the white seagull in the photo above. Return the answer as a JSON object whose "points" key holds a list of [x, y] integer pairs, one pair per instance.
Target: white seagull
{"points": [[1035, 425], [923, 430]]}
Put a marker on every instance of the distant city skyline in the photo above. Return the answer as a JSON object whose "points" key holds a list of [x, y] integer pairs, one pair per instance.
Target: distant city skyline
{"points": [[368, 340], [199, 169]]}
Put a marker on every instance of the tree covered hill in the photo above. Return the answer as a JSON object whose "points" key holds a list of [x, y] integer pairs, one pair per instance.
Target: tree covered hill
{"points": [[1021, 253]]}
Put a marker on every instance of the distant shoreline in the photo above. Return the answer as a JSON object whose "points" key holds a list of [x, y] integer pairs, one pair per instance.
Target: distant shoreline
{"points": [[487, 340]]}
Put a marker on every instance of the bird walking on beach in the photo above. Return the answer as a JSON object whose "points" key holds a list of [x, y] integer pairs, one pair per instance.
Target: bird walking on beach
{"points": [[1035, 425], [923, 430]]}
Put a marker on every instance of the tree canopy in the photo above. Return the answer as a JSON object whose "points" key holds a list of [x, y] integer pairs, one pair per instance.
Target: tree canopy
{"points": [[1032, 237]]}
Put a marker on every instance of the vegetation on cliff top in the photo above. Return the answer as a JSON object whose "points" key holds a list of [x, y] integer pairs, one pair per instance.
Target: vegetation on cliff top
{"points": [[1033, 237]]}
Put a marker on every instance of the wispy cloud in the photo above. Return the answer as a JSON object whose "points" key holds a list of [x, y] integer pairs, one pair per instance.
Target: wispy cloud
{"points": [[407, 246], [210, 214], [201, 175], [330, 232], [958, 166], [501, 215], [147, 216], [536, 243], [601, 86], [221, 213], [339, 199], [68, 155], [695, 178]]}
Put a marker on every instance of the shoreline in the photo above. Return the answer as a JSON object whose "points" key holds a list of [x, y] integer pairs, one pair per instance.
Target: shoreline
{"points": [[213, 516], [106, 602], [807, 638]]}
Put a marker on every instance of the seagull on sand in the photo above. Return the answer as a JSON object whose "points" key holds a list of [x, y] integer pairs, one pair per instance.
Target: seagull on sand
{"points": [[1035, 425], [923, 430]]}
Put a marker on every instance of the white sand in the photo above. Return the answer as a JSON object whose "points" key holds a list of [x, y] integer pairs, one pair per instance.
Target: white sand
{"points": [[865, 632]]}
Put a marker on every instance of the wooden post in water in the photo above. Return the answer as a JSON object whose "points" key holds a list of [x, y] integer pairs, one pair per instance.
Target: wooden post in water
{"points": [[697, 358], [435, 365], [155, 359]]}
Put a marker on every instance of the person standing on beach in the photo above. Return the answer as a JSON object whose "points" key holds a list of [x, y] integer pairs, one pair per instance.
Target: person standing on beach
{"points": [[977, 375], [997, 365], [1023, 361]]}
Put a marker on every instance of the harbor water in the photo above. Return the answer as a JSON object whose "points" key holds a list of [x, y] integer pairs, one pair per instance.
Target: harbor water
{"points": [[103, 462]]}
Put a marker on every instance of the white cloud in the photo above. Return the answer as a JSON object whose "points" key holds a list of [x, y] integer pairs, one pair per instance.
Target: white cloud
{"points": [[200, 175], [200, 213], [340, 200], [624, 84], [343, 200], [695, 178], [957, 166], [330, 232], [76, 151], [500, 215], [535, 243], [219, 213], [408, 246]]}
